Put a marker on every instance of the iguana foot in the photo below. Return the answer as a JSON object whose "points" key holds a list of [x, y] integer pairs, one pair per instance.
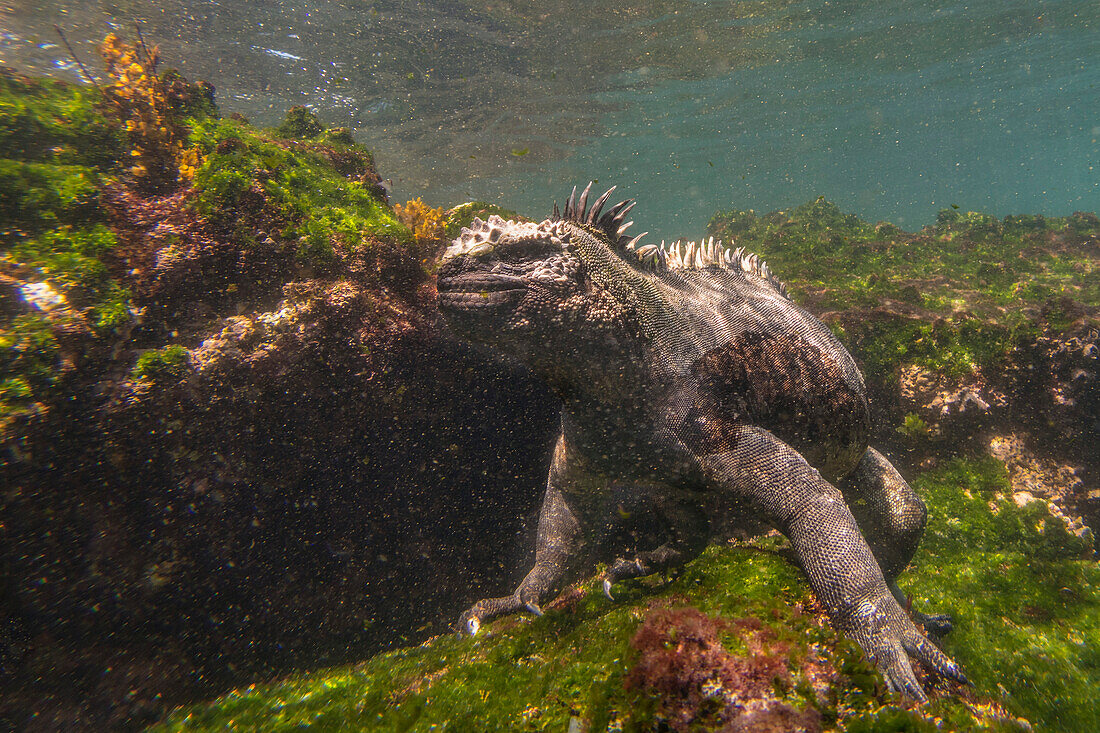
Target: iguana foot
{"points": [[623, 569], [469, 623], [619, 571], [889, 637], [936, 625], [665, 557]]}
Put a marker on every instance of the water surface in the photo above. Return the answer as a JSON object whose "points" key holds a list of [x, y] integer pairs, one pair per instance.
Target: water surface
{"points": [[893, 110]]}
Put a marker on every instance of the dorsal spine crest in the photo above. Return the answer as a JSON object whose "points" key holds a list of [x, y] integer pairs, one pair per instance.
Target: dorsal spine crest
{"points": [[675, 256]]}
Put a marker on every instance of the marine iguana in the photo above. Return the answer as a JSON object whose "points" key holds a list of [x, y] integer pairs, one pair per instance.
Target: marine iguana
{"points": [[695, 394]]}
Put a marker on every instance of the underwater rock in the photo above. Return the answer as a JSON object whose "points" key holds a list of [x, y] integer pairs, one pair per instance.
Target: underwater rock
{"points": [[1038, 478], [737, 642], [226, 408]]}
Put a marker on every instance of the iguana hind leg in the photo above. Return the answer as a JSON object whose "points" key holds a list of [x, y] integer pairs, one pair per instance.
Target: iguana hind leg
{"points": [[892, 518], [831, 550], [887, 509], [689, 530]]}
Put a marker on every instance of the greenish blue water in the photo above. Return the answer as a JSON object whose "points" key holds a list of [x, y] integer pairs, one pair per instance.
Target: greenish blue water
{"points": [[893, 110]]}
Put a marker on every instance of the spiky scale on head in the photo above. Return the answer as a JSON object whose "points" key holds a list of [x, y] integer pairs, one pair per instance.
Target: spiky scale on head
{"points": [[482, 236], [678, 255]]}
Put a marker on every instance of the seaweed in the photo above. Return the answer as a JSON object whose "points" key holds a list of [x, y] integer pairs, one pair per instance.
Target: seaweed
{"points": [[159, 157], [956, 297], [695, 680], [463, 214], [1025, 604], [249, 177], [300, 124], [162, 365]]}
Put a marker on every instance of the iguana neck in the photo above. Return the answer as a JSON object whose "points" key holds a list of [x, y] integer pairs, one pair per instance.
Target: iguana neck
{"points": [[662, 324]]}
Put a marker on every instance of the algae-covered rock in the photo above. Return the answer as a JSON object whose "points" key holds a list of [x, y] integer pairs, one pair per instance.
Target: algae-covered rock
{"points": [[737, 642], [300, 124], [226, 408], [968, 331], [461, 215]]}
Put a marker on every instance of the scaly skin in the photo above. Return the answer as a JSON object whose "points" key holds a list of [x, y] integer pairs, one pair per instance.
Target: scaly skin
{"points": [[696, 397]]}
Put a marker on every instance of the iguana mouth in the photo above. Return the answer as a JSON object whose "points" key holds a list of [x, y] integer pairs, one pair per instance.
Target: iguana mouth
{"points": [[479, 290]]}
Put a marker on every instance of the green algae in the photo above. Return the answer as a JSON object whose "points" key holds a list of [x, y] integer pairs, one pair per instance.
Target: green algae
{"points": [[463, 214], [300, 124], [72, 260], [36, 196], [913, 426], [30, 364], [57, 148], [1024, 594], [301, 186], [963, 287], [48, 121], [162, 365], [1026, 607], [525, 675], [1020, 260]]}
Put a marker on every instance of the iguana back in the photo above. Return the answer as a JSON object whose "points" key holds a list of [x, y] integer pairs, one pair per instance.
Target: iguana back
{"points": [[693, 389]]}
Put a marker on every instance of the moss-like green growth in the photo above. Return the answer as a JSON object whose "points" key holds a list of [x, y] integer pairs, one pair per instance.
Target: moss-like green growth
{"points": [[62, 146], [948, 346], [15, 394], [29, 363], [1019, 261], [162, 365], [1027, 627], [56, 147], [71, 260], [341, 136], [248, 174], [461, 215], [970, 279], [193, 100], [914, 426], [300, 124], [36, 196], [1026, 605], [47, 121]]}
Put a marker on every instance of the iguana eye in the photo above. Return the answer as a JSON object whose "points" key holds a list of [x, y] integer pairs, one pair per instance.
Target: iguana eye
{"points": [[526, 249]]}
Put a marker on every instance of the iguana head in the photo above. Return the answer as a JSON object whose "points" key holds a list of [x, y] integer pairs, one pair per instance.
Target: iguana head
{"points": [[536, 290], [576, 299]]}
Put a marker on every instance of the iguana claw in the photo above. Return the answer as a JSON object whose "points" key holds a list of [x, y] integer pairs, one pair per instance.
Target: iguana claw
{"points": [[889, 638], [468, 624]]}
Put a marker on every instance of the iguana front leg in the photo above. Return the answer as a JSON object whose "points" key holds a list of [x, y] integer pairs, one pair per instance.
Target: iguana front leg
{"points": [[833, 553], [559, 539]]}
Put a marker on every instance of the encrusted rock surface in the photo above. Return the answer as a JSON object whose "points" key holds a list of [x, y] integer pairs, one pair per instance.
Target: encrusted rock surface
{"points": [[271, 457]]}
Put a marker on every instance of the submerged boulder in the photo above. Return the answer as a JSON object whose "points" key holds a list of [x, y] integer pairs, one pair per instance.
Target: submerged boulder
{"points": [[234, 437]]}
